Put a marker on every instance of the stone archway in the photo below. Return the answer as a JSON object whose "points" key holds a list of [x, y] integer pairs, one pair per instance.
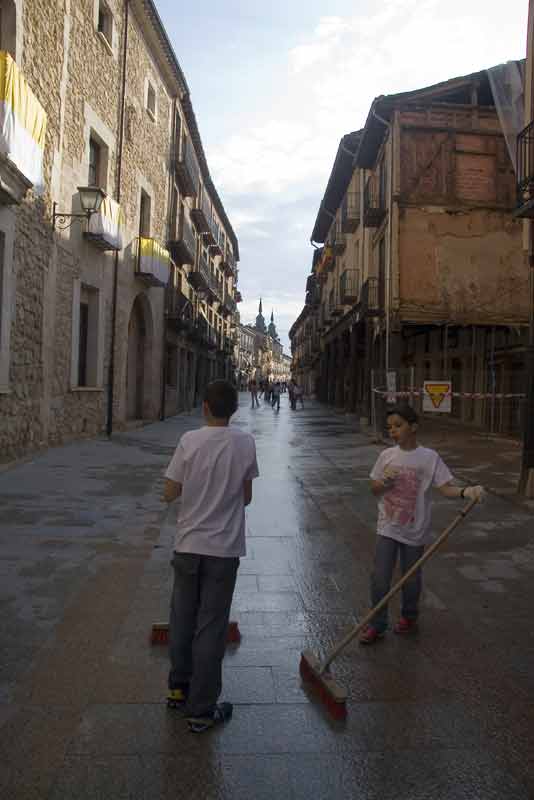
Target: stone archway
{"points": [[138, 359]]}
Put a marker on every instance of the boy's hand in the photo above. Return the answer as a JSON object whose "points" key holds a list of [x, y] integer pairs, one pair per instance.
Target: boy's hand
{"points": [[477, 493], [390, 476]]}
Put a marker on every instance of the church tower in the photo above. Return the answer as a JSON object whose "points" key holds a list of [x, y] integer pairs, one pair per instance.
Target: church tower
{"points": [[273, 333], [260, 321]]}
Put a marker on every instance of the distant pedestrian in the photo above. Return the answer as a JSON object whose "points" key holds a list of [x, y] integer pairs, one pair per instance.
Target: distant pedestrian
{"points": [[299, 395], [275, 395], [212, 471], [291, 394], [253, 389], [402, 479]]}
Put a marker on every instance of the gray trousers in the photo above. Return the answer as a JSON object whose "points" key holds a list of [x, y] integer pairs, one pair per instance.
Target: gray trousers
{"points": [[386, 554], [200, 610]]}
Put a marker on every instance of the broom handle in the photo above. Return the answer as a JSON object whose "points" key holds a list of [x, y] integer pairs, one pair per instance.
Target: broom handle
{"points": [[393, 591]]}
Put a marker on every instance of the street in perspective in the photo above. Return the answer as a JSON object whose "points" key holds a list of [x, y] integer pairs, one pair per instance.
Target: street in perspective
{"points": [[266, 400], [86, 549]]}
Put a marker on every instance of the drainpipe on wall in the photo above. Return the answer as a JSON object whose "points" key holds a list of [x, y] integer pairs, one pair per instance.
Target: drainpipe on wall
{"points": [[164, 335], [389, 269], [111, 374]]}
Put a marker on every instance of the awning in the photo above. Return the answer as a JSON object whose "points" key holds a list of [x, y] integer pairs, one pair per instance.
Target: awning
{"points": [[105, 226], [22, 123]]}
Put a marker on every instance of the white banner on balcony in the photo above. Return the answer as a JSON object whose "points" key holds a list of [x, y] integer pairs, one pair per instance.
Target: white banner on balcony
{"points": [[154, 260], [22, 123], [108, 223]]}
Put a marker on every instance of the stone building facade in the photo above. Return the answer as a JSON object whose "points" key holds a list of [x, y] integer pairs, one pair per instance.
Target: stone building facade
{"points": [[125, 316], [418, 268]]}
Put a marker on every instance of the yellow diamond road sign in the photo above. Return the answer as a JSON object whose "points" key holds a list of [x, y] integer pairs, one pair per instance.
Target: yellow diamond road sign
{"points": [[437, 396]]}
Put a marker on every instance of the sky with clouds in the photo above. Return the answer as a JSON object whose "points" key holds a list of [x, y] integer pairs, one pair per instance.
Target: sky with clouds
{"points": [[276, 84]]}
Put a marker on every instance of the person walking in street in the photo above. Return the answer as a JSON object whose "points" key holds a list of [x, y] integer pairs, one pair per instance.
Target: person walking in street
{"points": [[212, 471], [253, 389], [291, 395], [402, 479], [275, 395], [298, 391]]}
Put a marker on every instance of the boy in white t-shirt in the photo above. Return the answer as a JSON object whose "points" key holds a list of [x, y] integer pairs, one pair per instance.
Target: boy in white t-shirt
{"points": [[402, 479], [212, 471]]}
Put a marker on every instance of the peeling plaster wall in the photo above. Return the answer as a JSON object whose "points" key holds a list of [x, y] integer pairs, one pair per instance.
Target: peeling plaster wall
{"points": [[463, 267]]}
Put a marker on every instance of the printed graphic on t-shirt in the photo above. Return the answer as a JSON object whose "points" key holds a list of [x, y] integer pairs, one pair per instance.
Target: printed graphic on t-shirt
{"points": [[401, 500]]}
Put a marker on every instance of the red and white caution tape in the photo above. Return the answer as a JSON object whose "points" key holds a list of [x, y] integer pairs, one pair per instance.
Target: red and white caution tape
{"points": [[469, 395]]}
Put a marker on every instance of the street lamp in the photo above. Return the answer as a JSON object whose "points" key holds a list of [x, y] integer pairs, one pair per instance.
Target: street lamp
{"points": [[90, 198]]}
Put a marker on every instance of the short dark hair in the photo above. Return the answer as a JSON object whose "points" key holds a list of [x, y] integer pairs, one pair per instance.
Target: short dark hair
{"points": [[221, 397], [405, 412]]}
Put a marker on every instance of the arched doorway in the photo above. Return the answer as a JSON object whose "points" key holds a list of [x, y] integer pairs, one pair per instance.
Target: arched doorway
{"points": [[138, 343]]}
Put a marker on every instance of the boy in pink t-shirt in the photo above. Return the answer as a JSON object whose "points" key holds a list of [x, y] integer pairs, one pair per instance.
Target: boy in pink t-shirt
{"points": [[402, 479]]}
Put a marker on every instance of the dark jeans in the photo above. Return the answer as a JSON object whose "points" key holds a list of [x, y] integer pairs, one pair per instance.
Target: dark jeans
{"points": [[276, 401], [200, 610], [386, 553]]}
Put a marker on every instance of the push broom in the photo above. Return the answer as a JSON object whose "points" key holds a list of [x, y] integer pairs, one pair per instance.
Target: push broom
{"points": [[317, 673], [160, 633]]}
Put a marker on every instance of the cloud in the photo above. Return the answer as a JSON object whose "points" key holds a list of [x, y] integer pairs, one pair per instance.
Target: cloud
{"points": [[273, 171]]}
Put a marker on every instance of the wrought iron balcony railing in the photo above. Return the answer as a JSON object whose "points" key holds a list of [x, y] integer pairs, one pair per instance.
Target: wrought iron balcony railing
{"points": [[350, 212], [183, 247], [374, 209], [370, 298], [201, 215], [228, 261], [349, 286], [186, 169], [336, 239], [525, 172]]}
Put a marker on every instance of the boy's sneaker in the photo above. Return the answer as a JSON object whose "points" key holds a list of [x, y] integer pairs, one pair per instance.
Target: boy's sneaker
{"points": [[370, 635], [176, 699], [223, 713], [406, 626]]}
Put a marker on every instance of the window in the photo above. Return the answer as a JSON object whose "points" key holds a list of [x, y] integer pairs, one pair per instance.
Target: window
{"points": [[8, 27], [82, 344], [144, 214], [95, 162], [105, 22], [151, 100]]}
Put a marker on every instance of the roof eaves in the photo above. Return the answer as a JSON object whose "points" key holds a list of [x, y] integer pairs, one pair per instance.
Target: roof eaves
{"points": [[338, 182]]}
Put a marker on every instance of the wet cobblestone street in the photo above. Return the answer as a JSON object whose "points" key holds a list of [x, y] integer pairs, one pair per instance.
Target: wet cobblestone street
{"points": [[85, 548]]}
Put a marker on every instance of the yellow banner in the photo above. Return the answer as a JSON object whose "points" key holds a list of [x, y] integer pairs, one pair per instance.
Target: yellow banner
{"points": [[22, 122]]}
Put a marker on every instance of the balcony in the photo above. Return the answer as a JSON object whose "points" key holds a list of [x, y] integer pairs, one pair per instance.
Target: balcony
{"points": [[217, 245], [525, 173], [105, 226], [23, 135], [152, 261], [179, 311], [350, 212], [349, 287], [336, 240], [200, 277], [228, 304], [186, 170], [334, 306], [201, 215], [228, 262], [370, 298], [183, 246], [325, 263], [374, 209]]}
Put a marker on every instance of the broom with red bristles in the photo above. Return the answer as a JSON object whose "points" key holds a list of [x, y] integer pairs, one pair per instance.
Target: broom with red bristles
{"points": [[160, 633], [317, 673]]}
